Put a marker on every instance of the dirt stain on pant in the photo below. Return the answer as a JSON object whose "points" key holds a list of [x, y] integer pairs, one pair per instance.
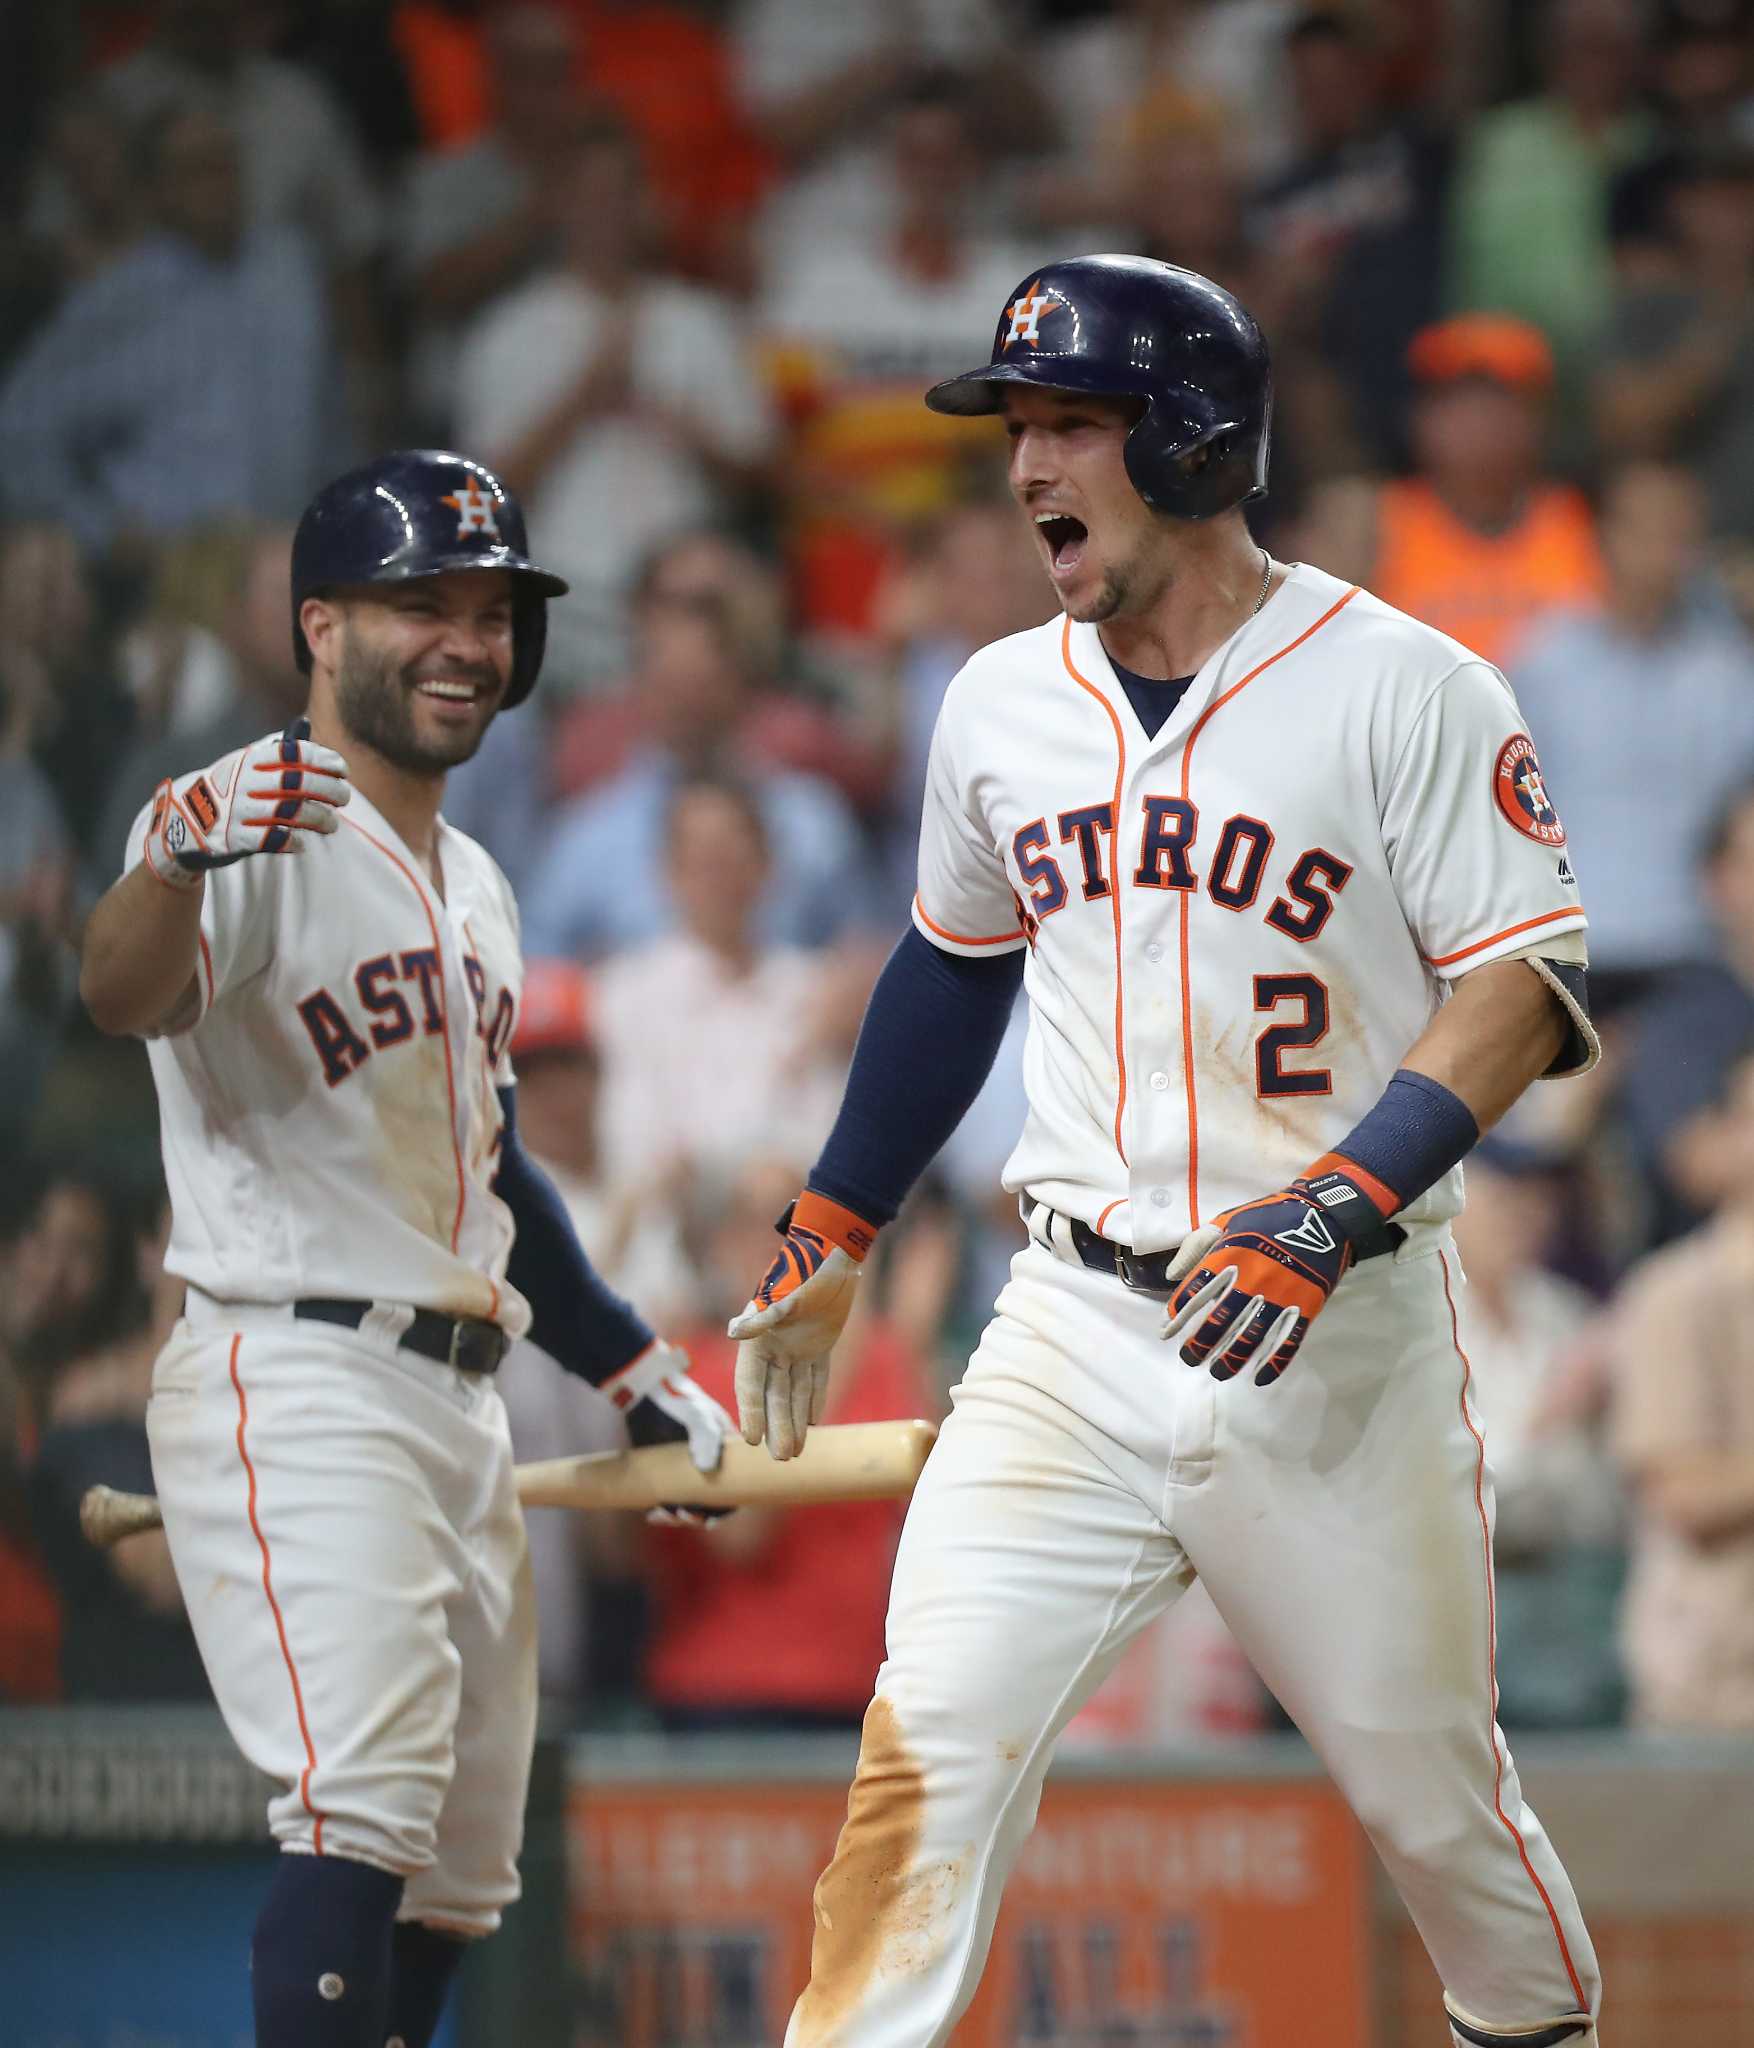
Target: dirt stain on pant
{"points": [[878, 1911]]}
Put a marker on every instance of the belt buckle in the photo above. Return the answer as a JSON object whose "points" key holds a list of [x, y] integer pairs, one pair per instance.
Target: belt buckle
{"points": [[484, 1342], [1125, 1270]]}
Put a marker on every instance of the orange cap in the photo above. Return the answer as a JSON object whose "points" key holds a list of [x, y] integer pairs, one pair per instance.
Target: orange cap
{"points": [[555, 1013], [1493, 345]]}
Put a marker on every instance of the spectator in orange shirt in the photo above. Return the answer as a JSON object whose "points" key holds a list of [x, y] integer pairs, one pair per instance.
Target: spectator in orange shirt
{"points": [[1481, 540], [754, 1628]]}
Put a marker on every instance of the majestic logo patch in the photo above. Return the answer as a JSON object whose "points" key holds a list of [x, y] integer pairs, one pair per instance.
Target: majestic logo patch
{"points": [[1521, 791], [474, 509], [1027, 313], [200, 800]]}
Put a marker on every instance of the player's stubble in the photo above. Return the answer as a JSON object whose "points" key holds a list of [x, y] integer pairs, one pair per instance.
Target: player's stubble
{"points": [[376, 703], [1126, 589]]}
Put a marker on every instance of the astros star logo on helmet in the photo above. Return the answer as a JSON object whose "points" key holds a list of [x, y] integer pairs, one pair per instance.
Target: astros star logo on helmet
{"points": [[474, 509], [1027, 313]]}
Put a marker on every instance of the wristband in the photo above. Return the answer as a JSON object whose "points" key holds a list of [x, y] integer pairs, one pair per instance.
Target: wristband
{"points": [[829, 1220], [1416, 1132]]}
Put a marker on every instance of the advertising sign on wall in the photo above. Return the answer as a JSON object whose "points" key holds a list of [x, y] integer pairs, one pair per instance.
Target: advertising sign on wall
{"points": [[1200, 1914]]}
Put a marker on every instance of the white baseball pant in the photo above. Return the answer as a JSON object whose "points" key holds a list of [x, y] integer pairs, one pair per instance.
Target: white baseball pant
{"points": [[344, 1524], [1341, 1521]]}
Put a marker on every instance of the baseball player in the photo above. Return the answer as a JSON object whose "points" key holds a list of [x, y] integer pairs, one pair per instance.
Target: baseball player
{"points": [[327, 976], [1292, 906]]}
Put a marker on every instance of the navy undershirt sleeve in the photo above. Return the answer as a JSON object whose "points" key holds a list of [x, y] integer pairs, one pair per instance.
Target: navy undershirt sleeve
{"points": [[578, 1319], [928, 1042]]}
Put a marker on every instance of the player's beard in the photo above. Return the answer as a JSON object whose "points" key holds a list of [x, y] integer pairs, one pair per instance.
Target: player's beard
{"points": [[376, 703], [1126, 588]]}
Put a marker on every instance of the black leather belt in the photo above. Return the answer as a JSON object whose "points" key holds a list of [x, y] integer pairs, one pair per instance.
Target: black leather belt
{"points": [[1148, 1272], [466, 1342]]}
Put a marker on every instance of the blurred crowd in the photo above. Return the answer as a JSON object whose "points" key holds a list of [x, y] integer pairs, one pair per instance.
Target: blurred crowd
{"points": [[680, 270]]}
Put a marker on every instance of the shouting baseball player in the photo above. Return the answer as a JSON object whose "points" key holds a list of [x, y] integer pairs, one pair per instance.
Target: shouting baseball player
{"points": [[328, 975], [1293, 909]]}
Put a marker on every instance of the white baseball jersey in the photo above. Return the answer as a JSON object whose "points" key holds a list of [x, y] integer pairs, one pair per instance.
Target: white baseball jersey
{"points": [[1238, 927], [330, 1124]]}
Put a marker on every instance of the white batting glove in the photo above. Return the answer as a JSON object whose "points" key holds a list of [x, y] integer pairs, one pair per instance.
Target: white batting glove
{"points": [[665, 1404], [264, 800], [788, 1329]]}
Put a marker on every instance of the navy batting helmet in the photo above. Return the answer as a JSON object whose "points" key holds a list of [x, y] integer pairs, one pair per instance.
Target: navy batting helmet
{"points": [[1126, 327], [422, 512]]}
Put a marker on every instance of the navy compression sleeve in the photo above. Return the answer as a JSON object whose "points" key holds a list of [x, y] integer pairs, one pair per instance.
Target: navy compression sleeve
{"points": [[928, 1042], [579, 1320]]}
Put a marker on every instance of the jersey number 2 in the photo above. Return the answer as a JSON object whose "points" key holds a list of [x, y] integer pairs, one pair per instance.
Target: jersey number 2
{"points": [[1310, 1029]]}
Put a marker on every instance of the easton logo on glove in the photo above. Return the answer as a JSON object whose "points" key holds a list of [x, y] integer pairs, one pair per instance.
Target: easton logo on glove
{"points": [[1267, 1269]]}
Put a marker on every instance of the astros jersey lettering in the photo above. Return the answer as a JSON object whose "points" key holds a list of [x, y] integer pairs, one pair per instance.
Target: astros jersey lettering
{"points": [[340, 985], [1236, 928]]}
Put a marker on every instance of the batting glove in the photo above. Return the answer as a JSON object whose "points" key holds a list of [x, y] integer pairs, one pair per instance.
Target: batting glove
{"points": [[263, 800], [665, 1404], [1254, 1278], [787, 1330]]}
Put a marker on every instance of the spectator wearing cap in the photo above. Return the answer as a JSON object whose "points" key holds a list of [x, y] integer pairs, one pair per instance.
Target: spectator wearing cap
{"points": [[1683, 1344], [1687, 1035], [1529, 209], [1559, 1525], [1677, 377], [553, 1413], [1480, 540], [1655, 682]]}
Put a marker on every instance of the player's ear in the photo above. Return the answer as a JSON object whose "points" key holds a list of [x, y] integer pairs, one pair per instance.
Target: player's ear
{"points": [[320, 621]]}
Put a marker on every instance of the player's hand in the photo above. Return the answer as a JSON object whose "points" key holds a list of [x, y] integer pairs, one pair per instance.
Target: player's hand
{"points": [[790, 1325], [269, 799], [665, 1404], [1253, 1280]]}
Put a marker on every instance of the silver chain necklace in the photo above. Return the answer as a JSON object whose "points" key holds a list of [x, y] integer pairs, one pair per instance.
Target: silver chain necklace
{"points": [[1266, 581]]}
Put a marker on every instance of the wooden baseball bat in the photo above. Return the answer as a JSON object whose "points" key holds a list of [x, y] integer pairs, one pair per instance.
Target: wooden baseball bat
{"points": [[839, 1461]]}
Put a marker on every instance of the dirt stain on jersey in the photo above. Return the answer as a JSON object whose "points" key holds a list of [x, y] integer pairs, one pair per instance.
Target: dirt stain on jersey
{"points": [[878, 1911]]}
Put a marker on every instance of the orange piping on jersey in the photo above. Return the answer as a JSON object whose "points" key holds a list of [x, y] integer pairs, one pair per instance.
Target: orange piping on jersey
{"points": [[493, 1307], [1510, 1826], [1510, 931], [444, 1013], [298, 1698], [1102, 1220], [1198, 727], [956, 938], [1085, 683]]}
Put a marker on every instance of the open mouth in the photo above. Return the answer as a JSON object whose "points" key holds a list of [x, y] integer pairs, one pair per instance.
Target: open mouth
{"points": [[1065, 538]]}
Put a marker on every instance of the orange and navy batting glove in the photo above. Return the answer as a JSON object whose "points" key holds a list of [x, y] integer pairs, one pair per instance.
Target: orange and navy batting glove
{"points": [[268, 799], [1253, 1280], [790, 1324]]}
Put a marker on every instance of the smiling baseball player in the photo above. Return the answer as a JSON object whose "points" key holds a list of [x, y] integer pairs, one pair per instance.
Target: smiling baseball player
{"points": [[328, 975], [1292, 906]]}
